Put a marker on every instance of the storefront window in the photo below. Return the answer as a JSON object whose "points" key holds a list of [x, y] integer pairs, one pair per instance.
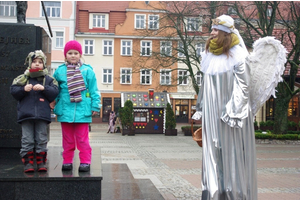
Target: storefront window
{"points": [[270, 105], [193, 106], [181, 110], [293, 110], [106, 108], [117, 104]]}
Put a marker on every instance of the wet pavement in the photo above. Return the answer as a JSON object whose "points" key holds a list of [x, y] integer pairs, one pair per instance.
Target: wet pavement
{"points": [[173, 165]]}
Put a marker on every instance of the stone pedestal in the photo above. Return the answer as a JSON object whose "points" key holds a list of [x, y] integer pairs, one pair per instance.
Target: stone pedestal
{"points": [[54, 184], [16, 41]]}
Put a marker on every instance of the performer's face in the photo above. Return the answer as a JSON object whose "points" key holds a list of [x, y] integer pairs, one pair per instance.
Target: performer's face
{"points": [[214, 33]]}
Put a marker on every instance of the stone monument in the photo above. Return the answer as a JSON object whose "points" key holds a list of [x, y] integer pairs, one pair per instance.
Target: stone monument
{"points": [[16, 41]]}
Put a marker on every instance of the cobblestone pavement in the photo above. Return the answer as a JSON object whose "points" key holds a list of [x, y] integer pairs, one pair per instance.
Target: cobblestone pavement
{"points": [[173, 163]]}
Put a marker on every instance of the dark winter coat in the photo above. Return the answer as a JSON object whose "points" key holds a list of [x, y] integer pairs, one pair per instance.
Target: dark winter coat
{"points": [[35, 104]]}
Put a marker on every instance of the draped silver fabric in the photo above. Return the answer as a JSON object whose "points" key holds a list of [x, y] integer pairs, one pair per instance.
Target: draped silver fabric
{"points": [[229, 155]]}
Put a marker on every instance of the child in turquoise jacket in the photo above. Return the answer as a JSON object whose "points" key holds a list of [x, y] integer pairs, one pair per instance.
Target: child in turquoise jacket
{"points": [[78, 100]]}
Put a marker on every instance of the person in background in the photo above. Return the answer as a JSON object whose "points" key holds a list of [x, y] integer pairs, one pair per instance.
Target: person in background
{"points": [[34, 90], [111, 122], [78, 100], [118, 125], [223, 104]]}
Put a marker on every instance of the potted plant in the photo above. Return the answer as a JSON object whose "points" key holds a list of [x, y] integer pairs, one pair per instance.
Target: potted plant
{"points": [[187, 130], [170, 122], [126, 115]]}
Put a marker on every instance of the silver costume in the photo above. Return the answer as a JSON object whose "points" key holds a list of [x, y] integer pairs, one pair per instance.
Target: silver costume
{"points": [[229, 155]]}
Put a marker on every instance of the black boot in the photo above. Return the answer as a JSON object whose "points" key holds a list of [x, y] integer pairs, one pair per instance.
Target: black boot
{"points": [[28, 162], [41, 159]]}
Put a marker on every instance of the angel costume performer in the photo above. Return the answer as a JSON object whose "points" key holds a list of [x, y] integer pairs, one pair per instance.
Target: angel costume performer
{"points": [[229, 155]]}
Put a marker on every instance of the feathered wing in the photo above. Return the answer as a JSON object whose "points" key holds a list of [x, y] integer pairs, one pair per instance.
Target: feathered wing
{"points": [[266, 64]]}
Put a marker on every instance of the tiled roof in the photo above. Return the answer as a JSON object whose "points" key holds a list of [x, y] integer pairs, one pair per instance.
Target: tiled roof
{"points": [[143, 100], [103, 6]]}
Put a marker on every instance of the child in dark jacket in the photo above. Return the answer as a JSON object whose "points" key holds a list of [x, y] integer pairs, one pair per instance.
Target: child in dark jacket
{"points": [[34, 90]]}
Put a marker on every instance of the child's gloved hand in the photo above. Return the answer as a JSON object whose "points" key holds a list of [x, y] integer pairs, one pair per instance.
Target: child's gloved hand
{"points": [[38, 87], [28, 87]]}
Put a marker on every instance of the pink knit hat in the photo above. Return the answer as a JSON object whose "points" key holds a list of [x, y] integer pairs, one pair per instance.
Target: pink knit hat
{"points": [[72, 45]]}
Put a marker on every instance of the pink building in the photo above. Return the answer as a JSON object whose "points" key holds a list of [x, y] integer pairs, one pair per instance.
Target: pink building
{"points": [[61, 16]]}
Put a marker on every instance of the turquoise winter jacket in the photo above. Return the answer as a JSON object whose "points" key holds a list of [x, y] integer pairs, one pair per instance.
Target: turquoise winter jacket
{"points": [[80, 112]]}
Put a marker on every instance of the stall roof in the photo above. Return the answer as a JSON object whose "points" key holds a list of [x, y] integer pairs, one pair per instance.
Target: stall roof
{"points": [[142, 100]]}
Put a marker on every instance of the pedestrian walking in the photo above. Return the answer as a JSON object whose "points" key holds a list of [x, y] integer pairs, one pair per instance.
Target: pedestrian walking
{"points": [[111, 122]]}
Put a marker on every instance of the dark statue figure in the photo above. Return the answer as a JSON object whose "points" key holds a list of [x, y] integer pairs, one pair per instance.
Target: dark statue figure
{"points": [[21, 11]]}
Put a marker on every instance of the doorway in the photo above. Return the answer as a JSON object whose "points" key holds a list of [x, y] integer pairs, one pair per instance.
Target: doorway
{"points": [[182, 111]]}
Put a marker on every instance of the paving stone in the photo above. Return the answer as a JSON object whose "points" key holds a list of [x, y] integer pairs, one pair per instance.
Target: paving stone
{"points": [[173, 164]]}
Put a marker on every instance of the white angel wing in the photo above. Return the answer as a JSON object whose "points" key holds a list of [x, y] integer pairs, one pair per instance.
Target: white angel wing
{"points": [[266, 64]]}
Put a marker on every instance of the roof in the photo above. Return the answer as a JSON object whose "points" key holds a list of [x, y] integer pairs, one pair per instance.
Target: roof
{"points": [[142, 99], [103, 6]]}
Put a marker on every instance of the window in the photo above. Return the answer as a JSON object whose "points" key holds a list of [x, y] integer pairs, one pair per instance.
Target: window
{"points": [[182, 77], [199, 48], [8, 8], [107, 76], [146, 48], [126, 47], [193, 24], [165, 48], [146, 76], [107, 47], [52, 8], [153, 22], [293, 109], [125, 76], [180, 50], [140, 21], [106, 108], [199, 78], [140, 116], [59, 39], [165, 77], [98, 21], [117, 104], [89, 47]]}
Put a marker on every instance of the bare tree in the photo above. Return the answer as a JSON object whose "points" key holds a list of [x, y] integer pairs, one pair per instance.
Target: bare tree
{"points": [[183, 29], [254, 19], [282, 20]]}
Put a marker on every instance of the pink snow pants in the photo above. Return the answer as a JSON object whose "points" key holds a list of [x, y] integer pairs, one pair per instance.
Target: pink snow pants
{"points": [[76, 134]]}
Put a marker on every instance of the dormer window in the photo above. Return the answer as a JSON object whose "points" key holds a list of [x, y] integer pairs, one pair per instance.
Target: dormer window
{"points": [[98, 20]]}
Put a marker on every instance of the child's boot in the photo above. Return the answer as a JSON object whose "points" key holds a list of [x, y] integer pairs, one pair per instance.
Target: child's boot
{"points": [[28, 162], [41, 159]]}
